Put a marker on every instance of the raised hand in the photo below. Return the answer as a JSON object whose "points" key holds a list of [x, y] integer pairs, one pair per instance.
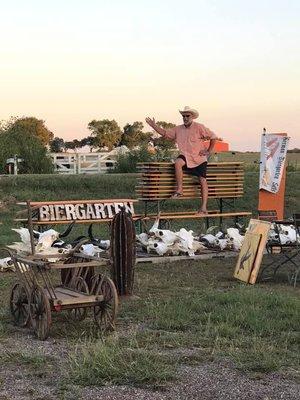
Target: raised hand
{"points": [[151, 122]]}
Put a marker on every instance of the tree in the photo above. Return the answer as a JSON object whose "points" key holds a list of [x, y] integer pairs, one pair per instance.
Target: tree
{"points": [[88, 141], [30, 125], [133, 135], [70, 145], [106, 133], [15, 141], [57, 145], [161, 142]]}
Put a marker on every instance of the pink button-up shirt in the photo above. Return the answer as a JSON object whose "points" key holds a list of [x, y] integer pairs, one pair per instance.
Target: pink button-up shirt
{"points": [[191, 141]]}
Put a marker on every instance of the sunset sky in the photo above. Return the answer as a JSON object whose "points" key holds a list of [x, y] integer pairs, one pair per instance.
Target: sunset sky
{"points": [[71, 61]]}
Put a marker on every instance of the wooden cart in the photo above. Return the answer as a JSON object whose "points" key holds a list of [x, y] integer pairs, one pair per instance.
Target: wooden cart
{"points": [[34, 296]]}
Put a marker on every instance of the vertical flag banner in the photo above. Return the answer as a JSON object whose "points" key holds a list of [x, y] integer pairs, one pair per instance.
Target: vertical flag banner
{"points": [[272, 161]]}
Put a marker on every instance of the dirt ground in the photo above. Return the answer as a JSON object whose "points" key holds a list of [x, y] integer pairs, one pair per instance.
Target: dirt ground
{"points": [[210, 380]]}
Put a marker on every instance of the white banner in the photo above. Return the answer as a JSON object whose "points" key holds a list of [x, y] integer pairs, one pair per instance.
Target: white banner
{"points": [[272, 161]]}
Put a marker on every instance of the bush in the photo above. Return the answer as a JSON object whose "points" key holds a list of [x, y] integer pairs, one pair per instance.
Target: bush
{"points": [[128, 162]]}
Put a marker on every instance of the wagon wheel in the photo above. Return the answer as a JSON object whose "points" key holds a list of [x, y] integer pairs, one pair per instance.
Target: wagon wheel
{"points": [[79, 313], [105, 312], [40, 312], [66, 274], [18, 304], [95, 281]]}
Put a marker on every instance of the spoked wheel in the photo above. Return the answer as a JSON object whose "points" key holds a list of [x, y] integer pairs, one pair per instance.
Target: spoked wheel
{"points": [[105, 312], [18, 305], [293, 276], [96, 280], [40, 312], [79, 313]]}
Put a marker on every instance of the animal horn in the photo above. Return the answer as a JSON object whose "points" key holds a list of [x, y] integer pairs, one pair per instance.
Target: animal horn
{"points": [[90, 232], [36, 234], [67, 231]]}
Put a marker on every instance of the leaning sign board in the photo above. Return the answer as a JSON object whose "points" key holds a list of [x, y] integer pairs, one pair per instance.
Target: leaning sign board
{"points": [[247, 256], [252, 250], [262, 228], [81, 211]]}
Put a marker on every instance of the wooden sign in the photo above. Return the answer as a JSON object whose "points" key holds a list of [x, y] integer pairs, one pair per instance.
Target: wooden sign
{"points": [[258, 227], [80, 210], [247, 257], [252, 250]]}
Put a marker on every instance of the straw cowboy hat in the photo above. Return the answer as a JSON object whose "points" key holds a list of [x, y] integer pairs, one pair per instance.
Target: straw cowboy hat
{"points": [[187, 109]]}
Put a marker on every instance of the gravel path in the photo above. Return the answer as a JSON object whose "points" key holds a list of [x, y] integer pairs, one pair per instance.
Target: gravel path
{"points": [[206, 381]]}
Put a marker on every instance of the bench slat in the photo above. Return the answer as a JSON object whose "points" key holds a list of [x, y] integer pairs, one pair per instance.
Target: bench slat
{"points": [[210, 215], [155, 198], [189, 186], [78, 221]]}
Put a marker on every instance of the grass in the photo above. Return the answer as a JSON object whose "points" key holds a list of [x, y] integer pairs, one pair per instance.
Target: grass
{"points": [[251, 159], [187, 312], [36, 362], [198, 308], [224, 318], [115, 362]]}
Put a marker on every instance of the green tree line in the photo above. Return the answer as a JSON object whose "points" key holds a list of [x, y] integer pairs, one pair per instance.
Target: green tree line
{"points": [[30, 139], [107, 134]]}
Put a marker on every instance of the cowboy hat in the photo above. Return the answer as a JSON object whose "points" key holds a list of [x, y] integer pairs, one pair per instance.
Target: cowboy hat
{"points": [[187, 109]]}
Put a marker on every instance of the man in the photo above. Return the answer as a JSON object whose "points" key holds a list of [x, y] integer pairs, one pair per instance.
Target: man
{"points": [[190, 139]]}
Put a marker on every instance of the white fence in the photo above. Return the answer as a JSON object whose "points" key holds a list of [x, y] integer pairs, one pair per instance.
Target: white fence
{"points": [[83, 163]]}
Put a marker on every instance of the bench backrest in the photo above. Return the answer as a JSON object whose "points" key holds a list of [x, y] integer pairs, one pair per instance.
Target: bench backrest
{"points": [[157, 181]]}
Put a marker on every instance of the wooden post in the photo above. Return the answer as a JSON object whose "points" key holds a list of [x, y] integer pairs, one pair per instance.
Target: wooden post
{"points": [[30, 227]]}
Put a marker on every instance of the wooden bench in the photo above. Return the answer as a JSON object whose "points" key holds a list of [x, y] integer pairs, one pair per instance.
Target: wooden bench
{"points": [[157, 183]]}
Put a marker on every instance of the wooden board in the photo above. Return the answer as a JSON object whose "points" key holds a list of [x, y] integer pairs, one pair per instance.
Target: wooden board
{"points": [[258, 227], [191, 190], [154, 259], [78, 265], [211, 196], [65, 296], [247, 256], [199, 216], [209, 164], [111, 201], [81, 221]]}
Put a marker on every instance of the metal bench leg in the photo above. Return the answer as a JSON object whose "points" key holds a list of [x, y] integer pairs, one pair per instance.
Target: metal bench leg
{"points": [[207, 223]]}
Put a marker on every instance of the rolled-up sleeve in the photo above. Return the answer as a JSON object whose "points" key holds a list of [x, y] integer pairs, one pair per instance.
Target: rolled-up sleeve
{"points": [[170, 133], [208, 134]]}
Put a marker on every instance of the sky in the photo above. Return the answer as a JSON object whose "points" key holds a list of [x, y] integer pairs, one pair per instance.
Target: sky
{"points": [[71, 61]]}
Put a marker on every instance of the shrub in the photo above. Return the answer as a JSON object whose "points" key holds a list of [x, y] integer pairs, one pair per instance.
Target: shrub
{"points": [[128, 162]]}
